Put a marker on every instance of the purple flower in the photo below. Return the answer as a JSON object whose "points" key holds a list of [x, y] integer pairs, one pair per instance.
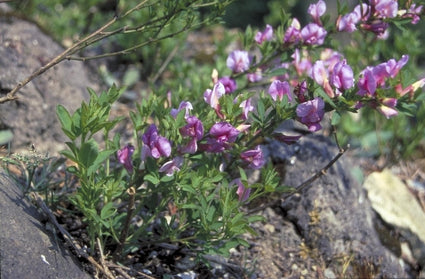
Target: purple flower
{"points": [[279, 88], [254, 158], [238, 61], [363, 11], [256, 76], [317, 10], [414, 13], [311, 113], [292, 34], [367, 83], [183, 105], [124, 157], [266, 35], [172, 166], [313, 34], [195, 131], [378, 27], [393, 67], [212, 96], [242, 192], [385, 8], [342, 76], [320, 74], [301, 62], [348, 22], [288, 139], [155, 145], [221, 134], [246, 108], [229, 84]]}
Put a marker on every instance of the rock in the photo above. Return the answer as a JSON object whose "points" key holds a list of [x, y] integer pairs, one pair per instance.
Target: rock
{"points": [[397, 206], [328, 226], [27, 249], [32, 118]]}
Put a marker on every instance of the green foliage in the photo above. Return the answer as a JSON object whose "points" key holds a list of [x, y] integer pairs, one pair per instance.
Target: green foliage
{"points": [[149, 20]]}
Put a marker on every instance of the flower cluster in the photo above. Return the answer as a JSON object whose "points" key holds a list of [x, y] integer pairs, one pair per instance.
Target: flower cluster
{"points": [[307, 81]]}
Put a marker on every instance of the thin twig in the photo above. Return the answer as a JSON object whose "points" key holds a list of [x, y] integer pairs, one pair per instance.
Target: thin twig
{"points": [[69, 51], [305, 185], [144, 275], [166, 62], [96, 36], [102, 259]]}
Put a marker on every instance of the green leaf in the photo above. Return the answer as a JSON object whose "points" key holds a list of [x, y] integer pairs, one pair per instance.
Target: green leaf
{"points": [[66, 121], [101, 157], [131, 76], [88, 153], [107, 211], [320, 92], [336, 118], [188, 188], [68, 154], [151, 178], [5, 136]]}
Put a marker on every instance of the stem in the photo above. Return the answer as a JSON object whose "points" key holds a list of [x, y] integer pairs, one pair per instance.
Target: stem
{"points": [[130, 208]]}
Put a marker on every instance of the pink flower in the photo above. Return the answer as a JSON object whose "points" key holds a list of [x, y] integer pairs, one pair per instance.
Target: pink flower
{"points": [[279, 88], [254, 158], [411, 88], [313, 34], [242, 192], [155, 145], [266, 35], [292, 34], [311, 113], [212, 96], [317, 10], [387, 107], [238, 61], [172, 166], [124, 157]]}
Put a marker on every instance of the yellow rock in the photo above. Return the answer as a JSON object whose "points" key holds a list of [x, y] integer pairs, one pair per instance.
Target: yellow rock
{"points": [[392, 200]]}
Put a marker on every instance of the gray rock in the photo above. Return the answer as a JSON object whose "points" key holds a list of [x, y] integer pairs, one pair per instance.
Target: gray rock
{"points": [[32, 118], [333, 217], [27, 249]]}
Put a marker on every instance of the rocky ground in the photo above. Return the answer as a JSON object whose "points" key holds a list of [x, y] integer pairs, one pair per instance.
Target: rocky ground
{"points": [[331, 229]]}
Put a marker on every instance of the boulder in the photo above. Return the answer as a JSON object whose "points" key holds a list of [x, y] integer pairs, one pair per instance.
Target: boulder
{"points": [[27, 249], [32, 117], [328, 230]]}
